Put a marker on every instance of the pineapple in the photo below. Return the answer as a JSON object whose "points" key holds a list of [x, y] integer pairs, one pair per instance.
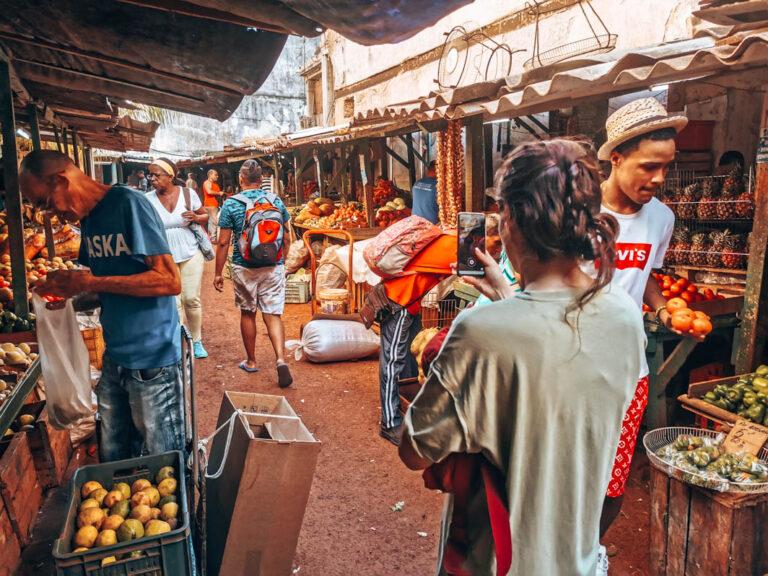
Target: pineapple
{"points": [[716, 248], [699, 249], [686, 207], [679, 247], [734, 253], [707, 208], [745, 205], [732, 187]]}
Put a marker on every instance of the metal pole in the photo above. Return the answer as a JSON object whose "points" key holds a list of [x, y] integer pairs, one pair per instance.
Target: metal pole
{"points": [[12, 193]]}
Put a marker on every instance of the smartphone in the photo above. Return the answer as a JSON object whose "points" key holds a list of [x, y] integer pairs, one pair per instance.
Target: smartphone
{"points": [[471, 236]]}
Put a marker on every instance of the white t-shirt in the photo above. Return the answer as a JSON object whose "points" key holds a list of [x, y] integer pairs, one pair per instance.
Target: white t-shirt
{"points": [[640, 247], [181, 240]]}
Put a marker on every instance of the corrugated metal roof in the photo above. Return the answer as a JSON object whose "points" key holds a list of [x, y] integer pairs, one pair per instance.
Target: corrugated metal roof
{"points": [[560, 86]]}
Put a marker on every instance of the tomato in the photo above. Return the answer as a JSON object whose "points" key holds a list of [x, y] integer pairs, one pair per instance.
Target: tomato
{"points": [[701, 327], [700, 314], [692, 289], [675, 289], [719, 297], [647, 308], [682, 282], [708, 294], [666, 293], [666, 284], [687, 296], [676, 304], [682, 319]]}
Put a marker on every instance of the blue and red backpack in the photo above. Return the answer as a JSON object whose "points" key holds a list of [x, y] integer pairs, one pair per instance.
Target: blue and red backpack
{"points": [[261, 242]]}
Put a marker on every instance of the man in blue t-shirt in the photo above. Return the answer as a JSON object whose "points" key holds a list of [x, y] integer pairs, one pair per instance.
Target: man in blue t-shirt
{"points": [[257, 288], [133, 274], [424, 194]]}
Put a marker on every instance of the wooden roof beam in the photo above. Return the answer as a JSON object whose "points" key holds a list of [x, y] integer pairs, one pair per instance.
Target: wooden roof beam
{"points": [[114, 62]]}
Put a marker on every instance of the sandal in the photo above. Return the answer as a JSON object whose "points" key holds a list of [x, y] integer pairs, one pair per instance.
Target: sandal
{"points": [[244, 366]]}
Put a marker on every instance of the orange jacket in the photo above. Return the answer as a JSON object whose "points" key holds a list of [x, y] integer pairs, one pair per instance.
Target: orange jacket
{"points": [[424, 272]]}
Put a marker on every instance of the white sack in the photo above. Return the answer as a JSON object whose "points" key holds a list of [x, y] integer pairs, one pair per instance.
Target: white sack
{"points": [[334, 341]]}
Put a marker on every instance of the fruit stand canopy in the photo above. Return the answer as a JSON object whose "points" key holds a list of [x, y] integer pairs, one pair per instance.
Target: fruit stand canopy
{"points": [[84, 58], [563, 85]]}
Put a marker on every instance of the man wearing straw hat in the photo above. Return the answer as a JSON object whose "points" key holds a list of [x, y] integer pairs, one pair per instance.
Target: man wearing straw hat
{"points": [[640, 147]]}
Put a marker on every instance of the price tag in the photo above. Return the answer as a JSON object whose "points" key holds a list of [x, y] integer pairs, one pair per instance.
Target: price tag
{"points": [[745, 436]]}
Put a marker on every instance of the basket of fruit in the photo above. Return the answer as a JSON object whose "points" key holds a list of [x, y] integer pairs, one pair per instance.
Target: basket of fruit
{"points": [[695, 456], [127, 518]]}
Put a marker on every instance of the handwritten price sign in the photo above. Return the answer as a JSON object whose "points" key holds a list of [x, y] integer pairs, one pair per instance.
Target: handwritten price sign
{"points": [[745, 436]]}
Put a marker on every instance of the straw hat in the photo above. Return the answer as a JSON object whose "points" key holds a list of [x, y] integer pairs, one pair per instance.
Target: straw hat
{"points": [[636, 118]]}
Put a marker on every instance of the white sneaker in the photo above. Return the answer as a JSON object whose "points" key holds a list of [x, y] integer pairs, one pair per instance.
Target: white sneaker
{"points": [[602, 562]]}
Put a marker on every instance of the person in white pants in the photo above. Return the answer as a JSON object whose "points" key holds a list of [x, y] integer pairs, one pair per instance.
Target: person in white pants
{"points": [[170, 202]]}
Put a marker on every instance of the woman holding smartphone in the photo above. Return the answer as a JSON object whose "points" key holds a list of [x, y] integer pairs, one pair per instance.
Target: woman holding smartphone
{"points": [[541, 398]]}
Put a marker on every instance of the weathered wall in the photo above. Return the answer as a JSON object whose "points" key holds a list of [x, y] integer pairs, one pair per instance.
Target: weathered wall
{"points": [[274, 109], [380, 75]]}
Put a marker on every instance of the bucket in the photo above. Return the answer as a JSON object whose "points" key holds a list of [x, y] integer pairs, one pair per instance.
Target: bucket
{"points": [[334, 300]]}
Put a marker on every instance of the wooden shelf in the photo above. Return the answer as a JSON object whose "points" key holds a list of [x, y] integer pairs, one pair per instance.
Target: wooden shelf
{"points": [[731, 271]]}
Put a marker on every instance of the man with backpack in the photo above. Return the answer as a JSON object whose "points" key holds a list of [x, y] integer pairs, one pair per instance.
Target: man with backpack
{"points": [[257, 223]]}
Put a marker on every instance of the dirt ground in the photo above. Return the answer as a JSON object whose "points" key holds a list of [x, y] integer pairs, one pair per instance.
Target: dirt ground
{"points": [[349, 527]]}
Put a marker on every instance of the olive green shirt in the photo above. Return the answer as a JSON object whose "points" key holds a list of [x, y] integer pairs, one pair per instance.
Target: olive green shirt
{"points": [[544, 403]]}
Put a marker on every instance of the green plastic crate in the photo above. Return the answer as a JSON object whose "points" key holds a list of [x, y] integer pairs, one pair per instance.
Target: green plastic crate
{"points": [[162, 555]]}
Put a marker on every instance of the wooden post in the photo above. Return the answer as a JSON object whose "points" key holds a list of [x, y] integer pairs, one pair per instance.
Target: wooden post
{"points": [[474, 164], [34, 127], [88, 161], [488, 155], [366, 164], [752, 336], [75, 152], [120, 174], [12, 193], [411, 159], [57, 137], [298, 180], [353, 173], [64, 143], [318, 172], [343, 169], [276, 172]]}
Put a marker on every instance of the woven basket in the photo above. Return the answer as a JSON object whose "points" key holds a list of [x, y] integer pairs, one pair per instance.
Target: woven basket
{"points": [[94, 341]]}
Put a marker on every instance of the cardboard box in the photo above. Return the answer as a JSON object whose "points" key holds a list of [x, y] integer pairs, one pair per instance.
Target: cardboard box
{"points": [[260, 471]]}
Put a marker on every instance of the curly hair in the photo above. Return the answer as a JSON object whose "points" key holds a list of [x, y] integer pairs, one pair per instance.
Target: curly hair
{"points": [[552, 189]]}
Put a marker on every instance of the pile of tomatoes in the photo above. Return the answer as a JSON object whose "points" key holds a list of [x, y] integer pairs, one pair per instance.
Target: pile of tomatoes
{"points": [[695, 323], [672, 287]]}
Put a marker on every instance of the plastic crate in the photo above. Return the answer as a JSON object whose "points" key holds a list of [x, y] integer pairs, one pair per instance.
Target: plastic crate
{"points": [[162, 555], [296, 292]]}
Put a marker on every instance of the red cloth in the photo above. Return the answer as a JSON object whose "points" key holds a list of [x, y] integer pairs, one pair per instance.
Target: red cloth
{"points": [[432, 348], [630, 428], [459, 474]]}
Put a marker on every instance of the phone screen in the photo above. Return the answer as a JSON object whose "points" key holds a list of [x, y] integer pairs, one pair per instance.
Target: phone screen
{"points": [[471, 236]]}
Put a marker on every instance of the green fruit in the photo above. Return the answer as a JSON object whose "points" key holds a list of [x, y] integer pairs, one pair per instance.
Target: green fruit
{"points": [[165, 472], [131, 529], [122, 508], [166, 499]]}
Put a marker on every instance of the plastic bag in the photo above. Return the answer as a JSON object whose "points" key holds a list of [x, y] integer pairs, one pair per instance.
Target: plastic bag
{"points": [[296, 258], [334, 341], [64, 363]]}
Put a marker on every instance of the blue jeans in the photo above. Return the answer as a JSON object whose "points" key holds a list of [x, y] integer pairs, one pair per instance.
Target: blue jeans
{"points": [[141, 411]]}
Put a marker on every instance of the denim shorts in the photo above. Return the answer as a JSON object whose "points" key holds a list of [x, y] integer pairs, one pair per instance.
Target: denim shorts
{"points": [[141, 411]]}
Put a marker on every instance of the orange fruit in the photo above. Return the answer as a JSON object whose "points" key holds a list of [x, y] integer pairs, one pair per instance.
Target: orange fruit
{"points": [[676, 304]]}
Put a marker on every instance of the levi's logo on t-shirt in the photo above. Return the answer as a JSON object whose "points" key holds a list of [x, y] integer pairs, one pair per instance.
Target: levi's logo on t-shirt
{"points": [[632, 255]]}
